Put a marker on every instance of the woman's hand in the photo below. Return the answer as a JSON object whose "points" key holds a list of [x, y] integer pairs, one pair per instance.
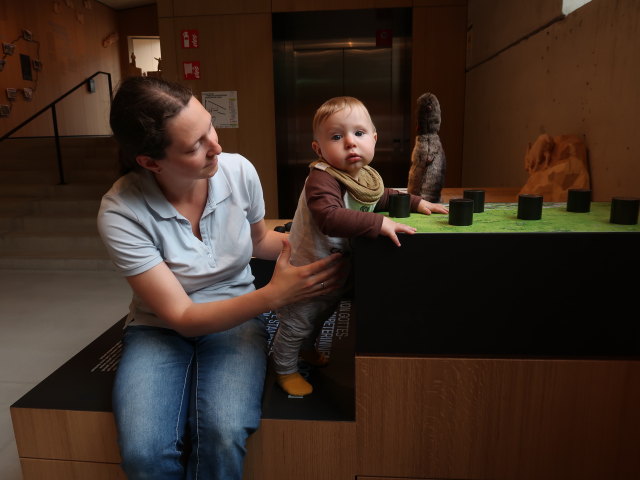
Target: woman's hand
{"points": [[290, 284], [391, 229]]}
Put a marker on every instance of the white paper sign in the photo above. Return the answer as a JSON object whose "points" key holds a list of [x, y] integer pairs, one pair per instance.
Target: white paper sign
{"points": [[223, 107]]}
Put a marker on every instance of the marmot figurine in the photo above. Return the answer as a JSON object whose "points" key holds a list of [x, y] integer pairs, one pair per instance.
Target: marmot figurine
{"points": [[426, 176]]}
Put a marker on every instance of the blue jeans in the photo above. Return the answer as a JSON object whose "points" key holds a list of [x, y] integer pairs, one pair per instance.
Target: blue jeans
{"points": [[184, 407]]}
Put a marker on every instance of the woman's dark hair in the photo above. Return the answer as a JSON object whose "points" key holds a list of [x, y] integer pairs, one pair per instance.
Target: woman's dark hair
{"points": [[139, 114]]}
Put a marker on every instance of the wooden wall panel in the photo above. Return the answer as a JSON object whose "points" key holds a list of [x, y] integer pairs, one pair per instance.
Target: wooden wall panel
{"points": [[235, 54], [36, 469], [169, 48], [86, 114], [165, 8], [309, 5], [76, 445], [288, 449], [439, 3], [361, 477], [70, 49], [499, 419], [207, 7], [579, 76], [495, 24], [65, 435], [438, 62]]}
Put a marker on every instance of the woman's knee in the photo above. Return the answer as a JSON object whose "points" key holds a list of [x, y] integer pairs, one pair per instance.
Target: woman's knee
{"points": [[225, 438], [150, 461]]}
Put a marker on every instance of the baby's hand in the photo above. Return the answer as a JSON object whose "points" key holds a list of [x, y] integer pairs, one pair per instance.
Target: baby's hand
{"points": [[390, 229], [428, 208]]}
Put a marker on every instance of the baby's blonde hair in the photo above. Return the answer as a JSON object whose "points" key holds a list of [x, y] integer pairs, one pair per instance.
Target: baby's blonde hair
{"points": [[337, 104]]}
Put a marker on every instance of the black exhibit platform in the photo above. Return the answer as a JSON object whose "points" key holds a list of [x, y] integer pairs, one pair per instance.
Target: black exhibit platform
{"points": [[533, 294], [84, 383], [333, 397]]}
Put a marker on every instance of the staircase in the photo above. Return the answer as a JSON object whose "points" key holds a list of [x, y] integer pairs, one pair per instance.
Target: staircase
{"points": [[46, 226]]}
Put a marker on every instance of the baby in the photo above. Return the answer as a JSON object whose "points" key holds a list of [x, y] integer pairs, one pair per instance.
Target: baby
{"points": [[337, 203]]}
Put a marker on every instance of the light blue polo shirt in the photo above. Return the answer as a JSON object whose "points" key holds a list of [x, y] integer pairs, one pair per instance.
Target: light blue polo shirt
{"points": [[141, 229]]}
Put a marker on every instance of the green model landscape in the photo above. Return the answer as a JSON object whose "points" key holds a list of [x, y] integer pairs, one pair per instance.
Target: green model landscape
{"points": [[502, 218]]}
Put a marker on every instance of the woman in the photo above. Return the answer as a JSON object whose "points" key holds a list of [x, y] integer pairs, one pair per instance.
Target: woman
{"points": [[181, 226]]}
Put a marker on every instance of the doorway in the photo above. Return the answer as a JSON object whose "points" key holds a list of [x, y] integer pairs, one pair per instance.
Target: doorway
{"points": [[319, 55], [144, 56]]}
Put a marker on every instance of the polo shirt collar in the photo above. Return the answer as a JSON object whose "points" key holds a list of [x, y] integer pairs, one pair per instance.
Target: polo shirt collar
{"points": [[219, 189]]}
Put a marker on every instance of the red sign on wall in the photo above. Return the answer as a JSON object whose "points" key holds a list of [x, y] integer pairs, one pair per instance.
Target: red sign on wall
{"points": [[384, 38], [190, 39], [191, 70]]}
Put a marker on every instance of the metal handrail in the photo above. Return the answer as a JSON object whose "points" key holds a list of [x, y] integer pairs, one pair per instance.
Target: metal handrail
{"points": [[52, 106]]}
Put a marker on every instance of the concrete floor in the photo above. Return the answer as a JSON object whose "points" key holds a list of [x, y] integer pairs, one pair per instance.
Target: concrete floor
{"points": [[46, 317]]}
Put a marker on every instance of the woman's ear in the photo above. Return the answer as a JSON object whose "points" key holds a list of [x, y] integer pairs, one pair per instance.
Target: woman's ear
{"points": [[316, 148], [148, 163]]}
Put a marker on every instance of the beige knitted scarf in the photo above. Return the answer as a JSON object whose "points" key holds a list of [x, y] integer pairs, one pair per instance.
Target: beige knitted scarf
{"points": [[367, 189]]}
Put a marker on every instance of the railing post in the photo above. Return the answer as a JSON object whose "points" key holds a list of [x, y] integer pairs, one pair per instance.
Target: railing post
{"points": [[52, 106], [57, 139], [110, 86]]}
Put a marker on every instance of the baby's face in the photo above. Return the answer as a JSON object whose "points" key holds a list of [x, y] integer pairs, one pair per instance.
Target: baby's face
{"points": [[346, 140]]}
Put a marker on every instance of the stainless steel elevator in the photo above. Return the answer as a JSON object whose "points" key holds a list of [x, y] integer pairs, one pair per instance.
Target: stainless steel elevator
{"points": [[319, 55]]}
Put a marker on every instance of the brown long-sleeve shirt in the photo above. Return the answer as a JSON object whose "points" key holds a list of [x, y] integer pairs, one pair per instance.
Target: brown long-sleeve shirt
{"points": [[325, 199]]}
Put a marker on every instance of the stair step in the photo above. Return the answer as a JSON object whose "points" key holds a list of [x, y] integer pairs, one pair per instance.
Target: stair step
{"points": [[12, 163], [91, 176], [44, 225], [36, 224], [9, 222], [56, 224], [12, 166], [66, 261], [28, 149], [85, 190], [25, 190], [72, 206], [44, 176], [51, 242], [16, 205]]}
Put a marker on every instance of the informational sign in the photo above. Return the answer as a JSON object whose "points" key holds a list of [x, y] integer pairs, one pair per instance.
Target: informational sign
{"points": [[190, 39], [223, 107], [191, 70]]}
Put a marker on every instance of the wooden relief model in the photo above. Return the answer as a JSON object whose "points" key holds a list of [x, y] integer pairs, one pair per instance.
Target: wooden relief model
{"points": [[556, 165]]}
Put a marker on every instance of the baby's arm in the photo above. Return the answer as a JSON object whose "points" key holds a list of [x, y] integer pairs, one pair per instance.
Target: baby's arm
{"points": [[428, 208], [325, 201], [391, 229], [418, 204]]}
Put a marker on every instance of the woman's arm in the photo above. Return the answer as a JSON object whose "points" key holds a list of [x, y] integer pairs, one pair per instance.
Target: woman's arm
{"points": [[162, 293], [267, 244]]}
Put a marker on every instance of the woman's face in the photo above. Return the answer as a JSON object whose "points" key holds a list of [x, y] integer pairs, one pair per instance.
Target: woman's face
{"points": [[194, 148]]}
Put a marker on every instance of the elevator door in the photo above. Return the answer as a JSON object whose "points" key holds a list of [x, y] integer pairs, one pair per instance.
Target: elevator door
{"points": [[310, 71]]}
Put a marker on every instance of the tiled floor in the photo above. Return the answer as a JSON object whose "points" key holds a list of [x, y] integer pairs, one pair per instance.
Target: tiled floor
{"points": [[45, 318]]}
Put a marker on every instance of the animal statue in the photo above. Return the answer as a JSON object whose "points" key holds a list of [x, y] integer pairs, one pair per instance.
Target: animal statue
{"points": [[428, 162]]}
